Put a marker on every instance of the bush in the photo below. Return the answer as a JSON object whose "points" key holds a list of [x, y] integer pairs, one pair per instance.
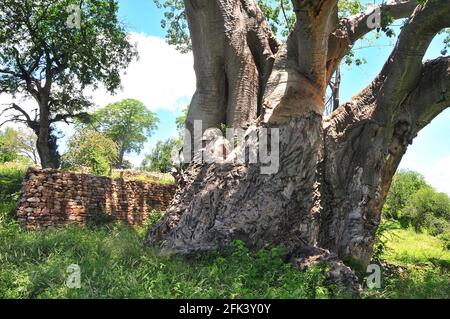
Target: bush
{"points": [[99, 219], [428, 210], [92, 149], [11, 177], [445, 240], [163, 157], [404, 185]]}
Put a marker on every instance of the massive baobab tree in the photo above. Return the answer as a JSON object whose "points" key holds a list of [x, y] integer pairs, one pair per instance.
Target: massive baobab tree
{"points": [[335, 171]]}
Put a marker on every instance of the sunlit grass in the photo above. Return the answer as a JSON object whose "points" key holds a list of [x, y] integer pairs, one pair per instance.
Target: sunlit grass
{"points": [[115, 263], [417, 267], [138, 175], [408, 247]]}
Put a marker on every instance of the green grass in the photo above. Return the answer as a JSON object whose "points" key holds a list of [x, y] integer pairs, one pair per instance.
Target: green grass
{"points": [[417, 267], [408, 247], [115, 263], [157, 178]]}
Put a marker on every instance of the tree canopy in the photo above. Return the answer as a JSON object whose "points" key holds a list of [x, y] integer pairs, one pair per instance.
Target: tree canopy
{"points": [[17, 145], [128, 123], [91, 149], [50, 57], [161, 158]]}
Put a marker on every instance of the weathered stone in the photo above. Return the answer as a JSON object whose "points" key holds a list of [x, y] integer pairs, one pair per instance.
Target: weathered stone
{"points": [[50, 198]]}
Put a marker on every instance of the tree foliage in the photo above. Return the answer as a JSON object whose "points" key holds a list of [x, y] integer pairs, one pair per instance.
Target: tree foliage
{"points": [[92, 149], [404, 185], [17, 145], [415, 203], [46, 58], [161, 157], [180, 121], [430, 210], [8, 145], [128, 123]]}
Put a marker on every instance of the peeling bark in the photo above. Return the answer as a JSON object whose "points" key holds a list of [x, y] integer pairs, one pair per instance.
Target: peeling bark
{"points": [[234, 51], [325, 201]]}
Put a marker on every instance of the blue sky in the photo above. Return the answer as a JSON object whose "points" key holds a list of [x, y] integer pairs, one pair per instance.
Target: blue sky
{"points": [[142, 16]]}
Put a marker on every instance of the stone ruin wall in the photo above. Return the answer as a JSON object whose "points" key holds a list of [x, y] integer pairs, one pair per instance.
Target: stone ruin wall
{"points": [[51, 198]]}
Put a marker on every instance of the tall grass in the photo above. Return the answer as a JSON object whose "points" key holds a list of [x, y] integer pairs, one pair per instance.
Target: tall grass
{"points": [[414, 266], [11, 177], [115, 263]]}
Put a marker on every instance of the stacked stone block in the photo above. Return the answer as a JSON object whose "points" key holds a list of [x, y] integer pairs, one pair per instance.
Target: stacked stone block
{"points": [[51, 198]]}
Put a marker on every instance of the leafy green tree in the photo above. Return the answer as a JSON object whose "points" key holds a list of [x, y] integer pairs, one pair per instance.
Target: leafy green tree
{"points": [[49, 55], [430, 210], [8, 145], [89, 148], [161, 157], [404, 185], [17, 145], [180, 121], [27, 144], [128, 123]]}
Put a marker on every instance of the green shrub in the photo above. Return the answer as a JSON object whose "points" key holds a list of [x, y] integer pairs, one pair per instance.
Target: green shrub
{"points": [[382, 238], [404, 185], [428, 210], [11, 178], [445, 240], [161, 158], [92, 149], [99, 219]]}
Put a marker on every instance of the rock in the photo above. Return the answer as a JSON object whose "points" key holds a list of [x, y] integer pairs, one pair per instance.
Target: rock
{"points": [[338, 273], [51, 197]]}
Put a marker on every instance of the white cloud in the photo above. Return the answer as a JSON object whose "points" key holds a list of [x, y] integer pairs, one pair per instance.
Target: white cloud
{"points": [[439, 175], [162, 78]]}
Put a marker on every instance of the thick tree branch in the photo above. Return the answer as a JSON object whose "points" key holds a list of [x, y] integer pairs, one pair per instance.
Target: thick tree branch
{"points": [[308, 42], [355, 27], [15, 107], [233, 50], [404, 66], [431, 95], [402, 71], [26, 76], [23, 117], [299, 72], [65, 117]]}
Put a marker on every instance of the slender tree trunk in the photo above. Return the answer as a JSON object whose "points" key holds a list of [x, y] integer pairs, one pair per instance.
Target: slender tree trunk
{"points": [[46, 143], [334, 172], [120, 159], [336, 88]]}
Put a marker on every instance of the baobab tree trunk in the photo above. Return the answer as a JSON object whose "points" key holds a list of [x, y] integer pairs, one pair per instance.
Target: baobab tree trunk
{"points": [[334, 172]]}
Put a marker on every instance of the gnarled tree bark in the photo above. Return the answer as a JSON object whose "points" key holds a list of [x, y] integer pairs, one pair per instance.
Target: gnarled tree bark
{"points": [[334, 172]]}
